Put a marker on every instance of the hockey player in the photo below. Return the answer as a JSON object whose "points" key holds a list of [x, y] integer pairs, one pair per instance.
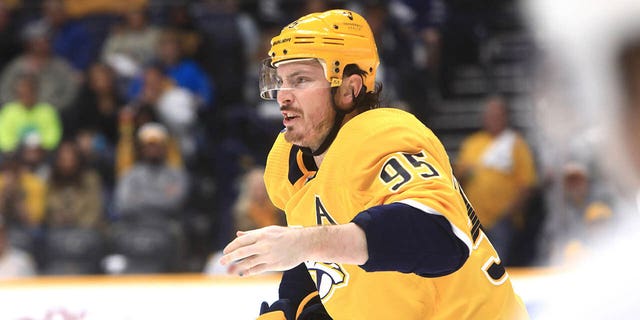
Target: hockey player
{"points": [[378, 226]]}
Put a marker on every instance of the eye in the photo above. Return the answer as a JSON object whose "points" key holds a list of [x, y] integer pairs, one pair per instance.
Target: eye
{"points": [[300, 80]]}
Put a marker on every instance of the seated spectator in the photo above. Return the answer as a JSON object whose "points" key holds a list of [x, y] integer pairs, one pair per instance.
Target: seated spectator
{"points": [[496, 170], [74, 195], [14, 263], [148, 234], [131, 45], [176, 107], [97, 106], [33, 157], [253, 209], [184, 72], [26, 114], [152, 189], [98, 155], [585, 212], [57, 82], [70, 38], [22, 196], [132, 118]]}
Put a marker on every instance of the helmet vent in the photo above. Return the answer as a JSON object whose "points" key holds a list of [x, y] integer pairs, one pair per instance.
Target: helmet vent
{"points": [[336, 41], [304, 40]]}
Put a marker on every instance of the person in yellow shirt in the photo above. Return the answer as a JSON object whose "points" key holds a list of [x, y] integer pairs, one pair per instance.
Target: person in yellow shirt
{"points": [[378, 226], [22, 195], [253, 208], [497, 172], [26, 115]]}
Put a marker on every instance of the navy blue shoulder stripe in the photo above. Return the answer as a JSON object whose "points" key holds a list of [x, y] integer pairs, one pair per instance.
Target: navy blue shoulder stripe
{"points": [[295, 172]]}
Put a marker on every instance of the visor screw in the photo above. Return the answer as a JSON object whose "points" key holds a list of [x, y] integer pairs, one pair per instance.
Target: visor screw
{"points": [[336, 70], [337, 63], [370, 69], [335, 26], [284, 51], [273, 54]]}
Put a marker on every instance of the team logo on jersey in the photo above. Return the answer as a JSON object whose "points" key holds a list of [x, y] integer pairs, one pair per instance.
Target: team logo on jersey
{"points": [[328, 277]]}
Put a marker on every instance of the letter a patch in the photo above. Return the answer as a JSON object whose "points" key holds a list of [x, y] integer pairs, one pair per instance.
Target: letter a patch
{"points": [[322, 213]]}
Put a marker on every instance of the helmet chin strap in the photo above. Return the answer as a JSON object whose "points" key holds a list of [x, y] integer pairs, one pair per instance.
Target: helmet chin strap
{"points": [[337, 123]]}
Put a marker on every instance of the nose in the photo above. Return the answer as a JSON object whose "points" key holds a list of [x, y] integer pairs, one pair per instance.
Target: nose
{"points": [[284, 97]]}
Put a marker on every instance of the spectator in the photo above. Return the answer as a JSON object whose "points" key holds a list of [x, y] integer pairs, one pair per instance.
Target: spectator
{"points": [[70, 38], [9, 43], [152, 189], [14, 263], [585, 209], [131, 45], [26, 114], [98, 155], [184, 72], [74, 196], [496, 170], [149, 202], [175, 106], [131, 119], [33, 157], [22, 196], [253, 209], [57, 83], [97, 106]]}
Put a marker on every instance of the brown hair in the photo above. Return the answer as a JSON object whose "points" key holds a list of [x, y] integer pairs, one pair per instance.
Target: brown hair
{"points": [[365, 100]]}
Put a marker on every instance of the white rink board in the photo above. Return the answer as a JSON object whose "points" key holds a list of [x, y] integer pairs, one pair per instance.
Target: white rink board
{"points": [[162, 297], [134, 300]]}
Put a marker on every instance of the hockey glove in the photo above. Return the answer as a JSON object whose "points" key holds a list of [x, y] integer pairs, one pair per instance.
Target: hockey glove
{"points": [[310, 308]]}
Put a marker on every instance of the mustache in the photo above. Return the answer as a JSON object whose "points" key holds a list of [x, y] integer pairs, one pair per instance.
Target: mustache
{"points": [[290, 109]]}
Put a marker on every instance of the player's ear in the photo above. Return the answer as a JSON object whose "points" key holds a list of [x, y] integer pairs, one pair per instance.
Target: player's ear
{"points": [[349, 90]]}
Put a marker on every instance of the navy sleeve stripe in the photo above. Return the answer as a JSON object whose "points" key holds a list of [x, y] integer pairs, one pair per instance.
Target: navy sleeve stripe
{"points": [[403, 238], [459, 233]]}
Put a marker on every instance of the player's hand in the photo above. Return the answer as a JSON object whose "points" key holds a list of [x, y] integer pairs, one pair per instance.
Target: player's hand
{"points": [[272, 248]]}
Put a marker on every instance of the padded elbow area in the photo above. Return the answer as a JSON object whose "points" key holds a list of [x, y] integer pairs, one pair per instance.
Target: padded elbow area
{"points": [[405, 239]]}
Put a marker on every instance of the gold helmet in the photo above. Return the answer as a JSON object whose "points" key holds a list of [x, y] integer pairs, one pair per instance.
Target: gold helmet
{"points": [[336, 38]]}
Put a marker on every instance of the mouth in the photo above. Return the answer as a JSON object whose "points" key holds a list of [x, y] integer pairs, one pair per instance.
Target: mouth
{"points": [[289, 117]]}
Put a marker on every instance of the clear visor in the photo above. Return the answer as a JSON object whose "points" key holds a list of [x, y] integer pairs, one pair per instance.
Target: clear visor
{"points": [[270, 83]]}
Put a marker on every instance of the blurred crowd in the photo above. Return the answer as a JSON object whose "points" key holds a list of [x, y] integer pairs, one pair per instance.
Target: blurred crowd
{"points": [[132, 135]]}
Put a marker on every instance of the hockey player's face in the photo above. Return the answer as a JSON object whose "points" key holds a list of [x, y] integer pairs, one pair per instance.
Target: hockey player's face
{"points": [[305, 103]]}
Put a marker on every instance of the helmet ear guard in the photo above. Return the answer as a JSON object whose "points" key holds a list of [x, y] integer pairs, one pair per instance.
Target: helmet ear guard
{"points": [[336, 38]]}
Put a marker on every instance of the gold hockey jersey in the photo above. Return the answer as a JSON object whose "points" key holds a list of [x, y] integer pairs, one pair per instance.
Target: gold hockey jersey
{"points": [[380, 157]]}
